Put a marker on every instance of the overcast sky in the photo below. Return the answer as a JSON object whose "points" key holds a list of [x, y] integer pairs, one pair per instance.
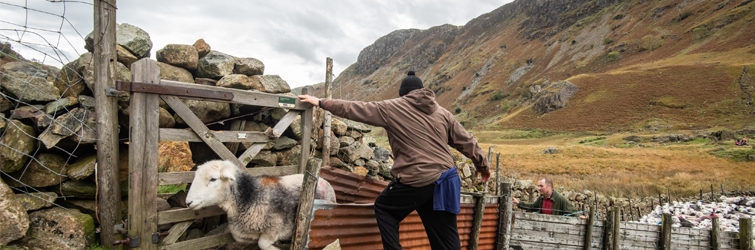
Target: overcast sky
{"points": [[292, 38]]}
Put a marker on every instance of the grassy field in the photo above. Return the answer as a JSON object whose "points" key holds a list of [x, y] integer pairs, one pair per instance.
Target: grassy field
{"points": [[610, 166]]}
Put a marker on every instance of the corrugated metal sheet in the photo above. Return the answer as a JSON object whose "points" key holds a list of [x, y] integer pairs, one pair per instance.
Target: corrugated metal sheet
{"points": [[356, 228], [351, 187]]}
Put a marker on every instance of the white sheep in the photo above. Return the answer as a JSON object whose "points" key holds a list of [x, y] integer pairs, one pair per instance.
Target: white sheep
{"points": [[259, 208]]}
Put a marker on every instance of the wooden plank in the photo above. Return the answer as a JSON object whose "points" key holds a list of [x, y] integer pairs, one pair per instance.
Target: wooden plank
{"points": [[715, 233], [247, 97], [204, 133], [282, 124], [479, 211], [176, 231], [173, 134], [606, 238], [549, 218], [184, 214], [188, 176], [306, 202], [143, 134], [306, 131], [666, 231], [238, 125], [108, 188], [201, 243], [252, 151], [745, 234], [504, 215], [542, 246], [498, 174]]}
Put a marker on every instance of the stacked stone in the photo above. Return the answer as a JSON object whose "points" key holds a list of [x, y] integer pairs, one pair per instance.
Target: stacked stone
{"points": [[351, 149], [698, 214], [47, 150]]}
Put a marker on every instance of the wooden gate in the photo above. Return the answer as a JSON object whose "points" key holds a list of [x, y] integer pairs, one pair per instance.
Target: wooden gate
{"points": [[144, 134]]}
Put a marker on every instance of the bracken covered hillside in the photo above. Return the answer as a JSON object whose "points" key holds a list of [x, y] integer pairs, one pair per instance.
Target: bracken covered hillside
{"points": [[600, 65]]}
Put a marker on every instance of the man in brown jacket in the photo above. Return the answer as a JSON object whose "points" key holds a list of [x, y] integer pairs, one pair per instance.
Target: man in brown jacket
{"points": [[419, 132]]}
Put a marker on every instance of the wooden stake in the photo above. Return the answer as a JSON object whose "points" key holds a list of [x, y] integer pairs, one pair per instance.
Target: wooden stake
{"points": [[666, 232], [306, 202], [326, 115], [505, 206], [715, 233], [108, 187], [616, 227], [745, 234], [498, 174], [588, 229]]}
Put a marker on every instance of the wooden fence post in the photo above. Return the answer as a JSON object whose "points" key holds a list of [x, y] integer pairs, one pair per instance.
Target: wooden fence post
{"points": [[306, 132], [715, 234], [745, 234], [588, 229], [306, 202], [326, 114], [505, 206], [615, 227], [498, 174], [666, 231], [479, 212], [142, 154], [108, 187], [608, 230]]}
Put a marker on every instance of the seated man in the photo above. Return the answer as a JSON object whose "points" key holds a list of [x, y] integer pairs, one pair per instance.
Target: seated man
{"points": [[744, 142], [736, 142], [549, 202]]}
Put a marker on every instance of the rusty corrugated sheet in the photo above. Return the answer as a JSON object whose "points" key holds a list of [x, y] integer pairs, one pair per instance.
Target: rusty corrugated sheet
{"points": [[356, 228], [351, 187]]}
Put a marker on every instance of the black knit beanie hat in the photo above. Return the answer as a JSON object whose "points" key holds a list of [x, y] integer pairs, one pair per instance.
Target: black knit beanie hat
{"points": [[410, 82]]}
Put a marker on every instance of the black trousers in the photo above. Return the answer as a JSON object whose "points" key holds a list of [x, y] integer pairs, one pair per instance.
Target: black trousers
{"points": [[398, 200]]}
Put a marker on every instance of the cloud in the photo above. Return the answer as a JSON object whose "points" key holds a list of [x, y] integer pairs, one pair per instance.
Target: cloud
{"points": [[291, 37]]}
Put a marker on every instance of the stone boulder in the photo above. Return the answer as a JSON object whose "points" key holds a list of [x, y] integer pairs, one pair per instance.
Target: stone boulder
{"points": [[36, 201], [202, 48], [283, 143], [87, 133], [633, 138], [180, 55], [345, 141], [357, 126], [77, 189], [235, 81], [270, 84], [549, 151], [360, 170], [337, 163], [165, 119], [215, 65], [134, 39], [64, 126], [289, 157], [248, 66], [206, 111], [338, 127], [265, 158], [125, 57], [555, 97], [47, 170], [368, 140], [18, 77], [333, 141], [58, 106], [18, 142], [70, 83], [355, 151], [83, 168], [173, 73], [13, 218], [175, 156], [295, 128], [382, 154], [58, 228]]}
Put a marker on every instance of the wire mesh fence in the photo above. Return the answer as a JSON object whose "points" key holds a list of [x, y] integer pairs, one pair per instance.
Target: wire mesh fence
{"points": [[47, 110]]}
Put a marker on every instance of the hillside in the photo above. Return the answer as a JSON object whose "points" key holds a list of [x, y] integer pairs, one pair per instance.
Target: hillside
{"points": [[628, 65]]}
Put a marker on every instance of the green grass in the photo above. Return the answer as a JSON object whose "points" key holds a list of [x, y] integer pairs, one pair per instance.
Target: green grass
{"points": [[698, 141], [169, 189], [737, 155], [97, 246]]}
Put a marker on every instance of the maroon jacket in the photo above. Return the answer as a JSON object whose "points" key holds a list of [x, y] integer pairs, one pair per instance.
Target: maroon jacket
{"points": [[419, 131]]}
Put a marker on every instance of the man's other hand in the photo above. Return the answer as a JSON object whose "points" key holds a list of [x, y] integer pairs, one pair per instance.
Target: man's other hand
{"points": [[515, 200], [310, 99], [485, 175]]}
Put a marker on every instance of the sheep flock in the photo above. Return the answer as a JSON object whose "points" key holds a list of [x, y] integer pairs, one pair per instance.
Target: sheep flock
{"points": [[698, 214]]}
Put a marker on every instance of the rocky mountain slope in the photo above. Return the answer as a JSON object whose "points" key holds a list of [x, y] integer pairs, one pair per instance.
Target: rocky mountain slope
{"points": [[600, 65]]}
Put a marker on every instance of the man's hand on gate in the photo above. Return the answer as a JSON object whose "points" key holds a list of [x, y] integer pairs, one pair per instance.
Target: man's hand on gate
{"points": [[485, 175], [310, 99]]}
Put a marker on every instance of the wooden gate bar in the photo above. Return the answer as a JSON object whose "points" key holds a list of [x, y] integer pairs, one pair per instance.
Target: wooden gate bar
{"points": [[241, 96], [143, 134], [141, 87], [250, 152], [201, 243], [201, 130], [174, 134], [182, 214], [282, 125], [237, 125], [176, 231], [306, 130], [188, 176]]}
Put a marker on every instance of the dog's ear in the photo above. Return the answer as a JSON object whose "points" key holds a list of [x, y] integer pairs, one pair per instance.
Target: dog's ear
{"points": [[228, 171]]}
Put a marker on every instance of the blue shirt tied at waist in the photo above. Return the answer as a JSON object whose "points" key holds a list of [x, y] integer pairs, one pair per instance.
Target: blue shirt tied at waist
{"points": [[447, 192]]}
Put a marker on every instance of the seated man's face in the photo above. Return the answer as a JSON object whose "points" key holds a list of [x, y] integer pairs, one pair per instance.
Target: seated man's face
{"points": [[544, 189]]}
